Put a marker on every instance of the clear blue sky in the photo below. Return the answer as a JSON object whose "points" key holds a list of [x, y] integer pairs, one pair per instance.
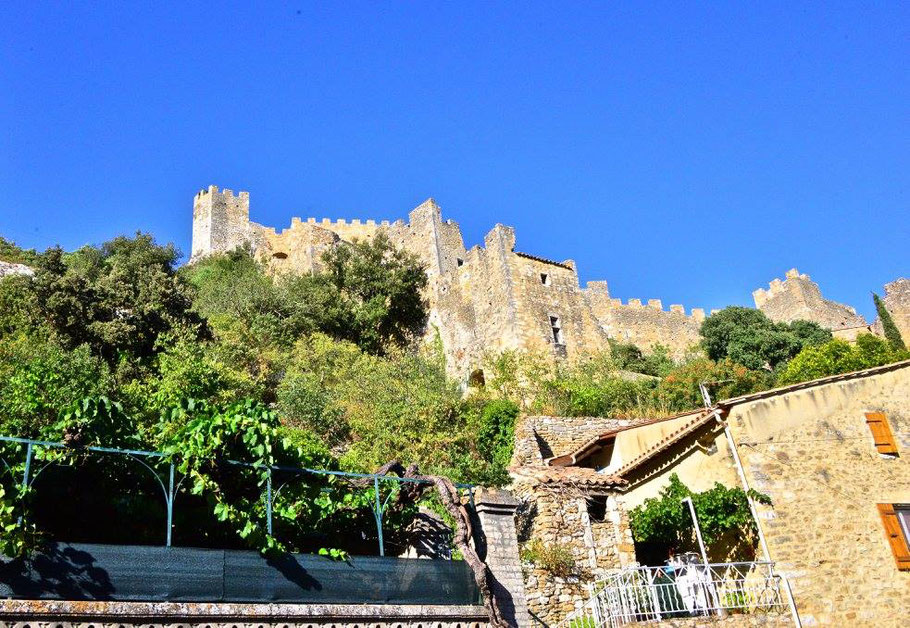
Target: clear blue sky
{"points": [[681, 152]]}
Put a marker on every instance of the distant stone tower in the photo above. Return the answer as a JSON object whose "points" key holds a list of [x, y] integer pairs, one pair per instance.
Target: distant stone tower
{"points": [[221, 222], [798, 297]]}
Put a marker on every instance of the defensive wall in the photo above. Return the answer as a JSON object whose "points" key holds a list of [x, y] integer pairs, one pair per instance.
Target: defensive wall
{"points": [[493, 298], [485, 299]]}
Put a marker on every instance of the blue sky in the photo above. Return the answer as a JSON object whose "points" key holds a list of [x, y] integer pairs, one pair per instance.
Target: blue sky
{"points": [[685, 152]]}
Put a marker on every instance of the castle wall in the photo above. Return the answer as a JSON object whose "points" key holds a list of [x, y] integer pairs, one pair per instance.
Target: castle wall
{"points": [[492, 298], [897, 302], [799, 298]]}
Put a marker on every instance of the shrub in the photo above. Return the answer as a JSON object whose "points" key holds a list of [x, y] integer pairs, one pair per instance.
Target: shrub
{"points": [[556, 558], [839, 356], [748, 337]]}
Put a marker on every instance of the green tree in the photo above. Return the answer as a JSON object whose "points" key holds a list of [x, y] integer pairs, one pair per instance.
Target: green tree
{"points": [[380, 289], [892, 334], [39, 378], [679, 390], [839, 356], [748, 337], [10, 252], [117, 298]]}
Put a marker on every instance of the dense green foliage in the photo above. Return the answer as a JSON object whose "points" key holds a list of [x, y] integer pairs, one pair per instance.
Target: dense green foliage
{"points": [[113, 345], [892, 333], [720, 510], [10, 252], [748, 337], [839, 356]]}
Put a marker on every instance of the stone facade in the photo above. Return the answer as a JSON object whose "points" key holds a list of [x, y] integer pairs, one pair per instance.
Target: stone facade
{"points": [[797, 297], [807, 446], [486, 299], [812, 452]]}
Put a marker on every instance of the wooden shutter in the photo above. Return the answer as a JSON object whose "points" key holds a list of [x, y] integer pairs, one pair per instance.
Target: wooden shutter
{"points": [[881, 432], [895, 536]]}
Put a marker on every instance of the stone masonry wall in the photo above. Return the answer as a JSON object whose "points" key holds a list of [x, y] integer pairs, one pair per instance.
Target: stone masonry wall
{"points": [[812, 453], [897, 302], [798, 297], [541, 437], [481, 301]]}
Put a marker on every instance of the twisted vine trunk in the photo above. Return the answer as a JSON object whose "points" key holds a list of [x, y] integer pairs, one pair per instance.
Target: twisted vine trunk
{"points": [[448, 493]]}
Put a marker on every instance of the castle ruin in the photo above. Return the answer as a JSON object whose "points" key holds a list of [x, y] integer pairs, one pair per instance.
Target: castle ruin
{"points": [[492, 298], [488, 298]]}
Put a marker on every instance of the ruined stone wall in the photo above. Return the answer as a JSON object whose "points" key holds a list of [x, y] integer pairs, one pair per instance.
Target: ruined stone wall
{"points": [[897, 302], [481, 301], [797, 297], [645, 325], [541, 437], [813, 454], [559, 519]]}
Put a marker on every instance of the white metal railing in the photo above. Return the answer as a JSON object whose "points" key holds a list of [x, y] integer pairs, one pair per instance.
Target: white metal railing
{"points": [[682, 590]]}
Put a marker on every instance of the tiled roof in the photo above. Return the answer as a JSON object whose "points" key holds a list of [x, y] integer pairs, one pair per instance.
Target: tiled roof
{"points": [[543, 259], [576, 476], [668, 441], [573, 457]]}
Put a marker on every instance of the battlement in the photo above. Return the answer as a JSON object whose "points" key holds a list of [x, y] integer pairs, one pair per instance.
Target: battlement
{"points": [[797, 297], [595, 289]]}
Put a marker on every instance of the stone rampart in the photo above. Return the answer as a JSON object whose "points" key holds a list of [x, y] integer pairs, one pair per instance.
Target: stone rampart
{"points": [[797, 297]]}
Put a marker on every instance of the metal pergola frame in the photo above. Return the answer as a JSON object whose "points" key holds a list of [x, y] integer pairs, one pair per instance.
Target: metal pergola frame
{"points": [[170, 490]]}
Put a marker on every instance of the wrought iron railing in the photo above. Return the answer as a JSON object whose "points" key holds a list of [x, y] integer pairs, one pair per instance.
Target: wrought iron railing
{"points": [[165, 473], [658, 593]]}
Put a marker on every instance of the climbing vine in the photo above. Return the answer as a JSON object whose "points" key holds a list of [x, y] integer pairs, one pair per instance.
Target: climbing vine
{"points": [[720, 510]]}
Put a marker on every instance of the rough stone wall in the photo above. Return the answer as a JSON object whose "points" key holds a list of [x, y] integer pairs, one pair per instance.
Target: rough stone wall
{"points": [[647, 324], [559, 519], [798, 297], [812, 453], [540, 437], [897, 302]]}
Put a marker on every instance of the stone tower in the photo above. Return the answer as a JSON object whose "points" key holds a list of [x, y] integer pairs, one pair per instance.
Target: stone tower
{"points": [[221, 221]]}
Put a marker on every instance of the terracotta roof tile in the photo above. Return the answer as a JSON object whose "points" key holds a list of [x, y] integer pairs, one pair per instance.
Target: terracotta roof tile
{"points": [[578, 476]]}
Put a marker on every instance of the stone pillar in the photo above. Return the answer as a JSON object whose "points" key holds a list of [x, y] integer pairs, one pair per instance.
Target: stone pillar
{"points": [[497, 544]]}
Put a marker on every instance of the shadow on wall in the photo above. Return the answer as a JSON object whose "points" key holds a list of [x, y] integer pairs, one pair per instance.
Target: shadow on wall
{"points": [[62, 572]]}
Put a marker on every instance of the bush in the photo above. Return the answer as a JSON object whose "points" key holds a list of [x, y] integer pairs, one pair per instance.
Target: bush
{"points": [[556, 558], [839, 356], [679, 390], [720, 510], [748, 337]]}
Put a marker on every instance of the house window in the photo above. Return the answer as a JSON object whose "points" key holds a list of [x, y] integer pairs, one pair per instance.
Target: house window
{"points": [[556, 327], [545, 279], [597, 508], [896, 519], [881, 433], [459, 261]]}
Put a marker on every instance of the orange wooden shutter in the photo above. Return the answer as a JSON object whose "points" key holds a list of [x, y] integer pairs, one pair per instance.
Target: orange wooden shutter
{"points": [[895, 536], [881, 432]]}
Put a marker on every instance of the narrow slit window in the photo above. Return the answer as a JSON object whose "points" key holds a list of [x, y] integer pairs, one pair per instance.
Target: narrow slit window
{"points": [[459, 261], [556, 327], [545, 279], [881, 433]]}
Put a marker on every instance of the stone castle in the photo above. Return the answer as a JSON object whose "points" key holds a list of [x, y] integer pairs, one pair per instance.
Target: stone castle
{"points": [[492, 298]]}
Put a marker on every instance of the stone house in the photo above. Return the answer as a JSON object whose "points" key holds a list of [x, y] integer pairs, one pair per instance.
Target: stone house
{"points": [[830, 453]]}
